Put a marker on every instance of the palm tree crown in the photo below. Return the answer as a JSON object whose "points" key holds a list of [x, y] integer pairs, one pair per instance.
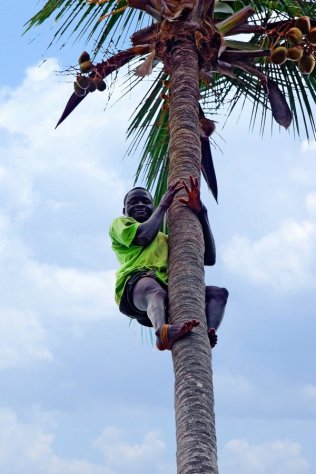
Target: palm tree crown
{"points": [[263, 51]]}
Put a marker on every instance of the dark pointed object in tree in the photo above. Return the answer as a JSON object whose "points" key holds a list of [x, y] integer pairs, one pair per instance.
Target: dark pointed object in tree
{"points": [[70, 106], [207, 127], [280, 109], [102, 70], [281, 112], [207, 166]]}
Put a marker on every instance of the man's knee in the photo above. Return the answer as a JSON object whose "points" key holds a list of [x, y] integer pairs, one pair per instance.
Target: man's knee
{"points": [[157, 292], [216, 293], [150, 288], [148, 291]]}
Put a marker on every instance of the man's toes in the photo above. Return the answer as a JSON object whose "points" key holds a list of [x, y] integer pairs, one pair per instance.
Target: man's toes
{"points": [[212, 337], [167, 335], [195, 322], [191, 324]]}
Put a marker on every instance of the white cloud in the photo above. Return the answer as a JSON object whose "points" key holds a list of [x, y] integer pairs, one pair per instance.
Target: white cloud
{"points": [[59, 191], [131, 455], [65, 160], [283, 259], [33, 294], [29, 449], [77, 294], [23, 339], [277, 457], [50, 288]]}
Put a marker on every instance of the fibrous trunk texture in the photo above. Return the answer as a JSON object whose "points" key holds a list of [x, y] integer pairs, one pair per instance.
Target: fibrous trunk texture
{"points": [[194, 403]]}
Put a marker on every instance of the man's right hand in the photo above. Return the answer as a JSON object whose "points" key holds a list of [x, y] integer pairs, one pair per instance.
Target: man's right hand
{"points": [[169, 195]]}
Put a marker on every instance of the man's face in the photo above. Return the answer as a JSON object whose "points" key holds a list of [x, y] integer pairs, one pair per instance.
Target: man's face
{"points": [[139, 205]]}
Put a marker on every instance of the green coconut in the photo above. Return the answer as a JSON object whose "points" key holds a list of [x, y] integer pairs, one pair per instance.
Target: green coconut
{"points": [[86, 66], [307, 63], [294, 35], [303, 23], [92, 86], [278, 55], [78, 90], [83, 82], [294, 53], [84, 56], [311, 37], [101, 85]]}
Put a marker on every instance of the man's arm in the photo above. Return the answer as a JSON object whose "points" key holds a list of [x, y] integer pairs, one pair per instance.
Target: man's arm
{"points": [[148, 230], [194, 202]]}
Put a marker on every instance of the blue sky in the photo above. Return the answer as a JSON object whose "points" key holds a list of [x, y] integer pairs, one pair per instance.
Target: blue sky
{"points": [[82, 391]]}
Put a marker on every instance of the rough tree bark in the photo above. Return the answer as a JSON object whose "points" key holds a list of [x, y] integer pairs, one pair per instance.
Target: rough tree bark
{"points": [[194, 402]]}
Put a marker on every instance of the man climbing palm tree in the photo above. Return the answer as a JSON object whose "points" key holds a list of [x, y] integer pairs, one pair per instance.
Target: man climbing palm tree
{"points": [[142, 250]]}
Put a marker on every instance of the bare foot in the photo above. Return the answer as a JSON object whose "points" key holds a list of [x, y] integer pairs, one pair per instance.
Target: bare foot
{"points": [[168, 334], [212, 337]]}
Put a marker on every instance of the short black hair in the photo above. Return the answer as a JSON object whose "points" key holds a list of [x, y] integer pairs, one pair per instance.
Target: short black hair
{"points": [[136, 187]]}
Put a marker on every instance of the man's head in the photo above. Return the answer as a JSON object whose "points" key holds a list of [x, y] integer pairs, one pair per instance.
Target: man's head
{"points": [[138, 203]]}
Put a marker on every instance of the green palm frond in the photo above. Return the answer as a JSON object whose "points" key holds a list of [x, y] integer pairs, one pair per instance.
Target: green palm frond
{"points": [[80, 20], [151, 121]]}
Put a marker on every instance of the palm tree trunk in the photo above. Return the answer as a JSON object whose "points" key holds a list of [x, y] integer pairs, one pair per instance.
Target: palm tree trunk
{"points": [[194, 402]]}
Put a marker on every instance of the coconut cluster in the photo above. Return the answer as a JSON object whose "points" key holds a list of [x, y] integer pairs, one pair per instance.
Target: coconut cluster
{"points": [[299, 46], [89, 79]]}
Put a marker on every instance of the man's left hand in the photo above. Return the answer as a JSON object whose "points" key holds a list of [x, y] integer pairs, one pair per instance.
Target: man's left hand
{"points": [[193, 201]]}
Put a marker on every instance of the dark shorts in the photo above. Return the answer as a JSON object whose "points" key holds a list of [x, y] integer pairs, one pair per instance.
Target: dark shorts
{"points": [[127, 306]]}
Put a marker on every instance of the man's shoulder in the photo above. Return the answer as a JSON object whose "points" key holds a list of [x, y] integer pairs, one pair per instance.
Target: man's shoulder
{"points": [[122, 220], [122, 230]]}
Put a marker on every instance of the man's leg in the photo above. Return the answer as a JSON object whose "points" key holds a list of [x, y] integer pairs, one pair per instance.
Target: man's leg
{"points": [[215, 302], [150, 296]]}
